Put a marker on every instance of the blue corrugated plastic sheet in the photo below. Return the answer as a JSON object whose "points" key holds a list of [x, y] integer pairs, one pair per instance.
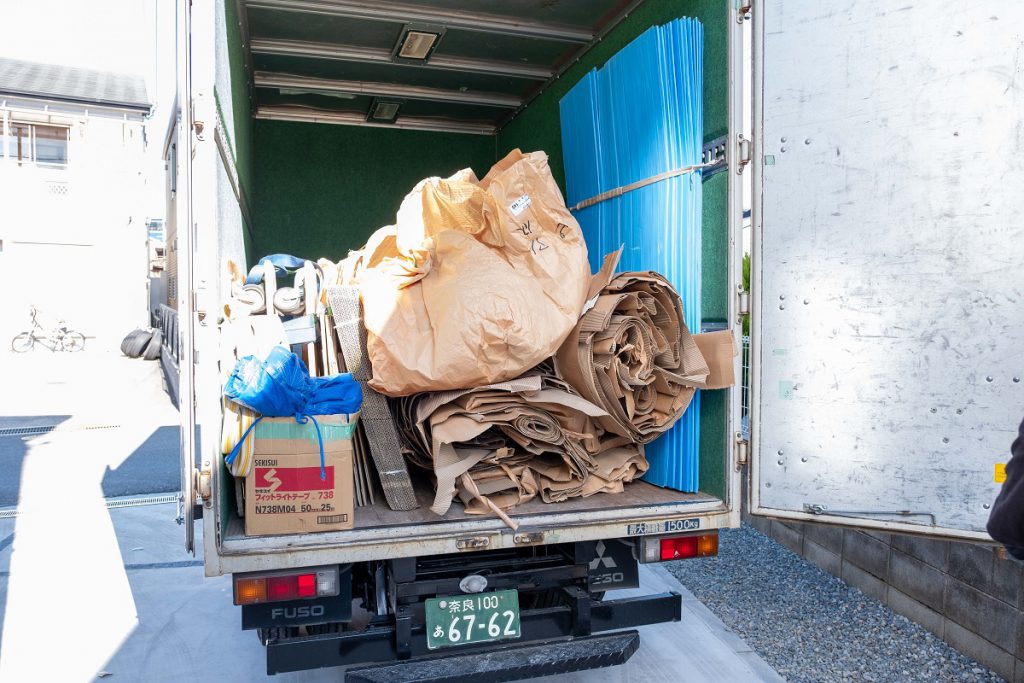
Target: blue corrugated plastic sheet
{"points": [[638, 116]]}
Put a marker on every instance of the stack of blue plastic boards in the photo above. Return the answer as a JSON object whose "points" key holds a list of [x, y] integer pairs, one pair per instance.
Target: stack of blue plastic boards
{"points": [[638, 116]]}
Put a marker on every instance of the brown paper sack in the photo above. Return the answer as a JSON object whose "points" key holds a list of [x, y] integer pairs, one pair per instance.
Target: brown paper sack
{"points": [[477, 282]]}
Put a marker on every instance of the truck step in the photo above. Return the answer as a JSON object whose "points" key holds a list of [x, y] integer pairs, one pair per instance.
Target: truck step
{"points": [[506, 664]]}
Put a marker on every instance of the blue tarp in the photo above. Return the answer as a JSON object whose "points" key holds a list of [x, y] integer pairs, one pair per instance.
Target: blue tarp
{"points": [[638, 116], [280, 386]]}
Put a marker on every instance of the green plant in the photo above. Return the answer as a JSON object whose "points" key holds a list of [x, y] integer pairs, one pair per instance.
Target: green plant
{"points": [[746, 288]]}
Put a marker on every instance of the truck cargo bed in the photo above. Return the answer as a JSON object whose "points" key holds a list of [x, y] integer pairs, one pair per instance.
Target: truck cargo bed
{"points": [[382, 533], [299, 185]]}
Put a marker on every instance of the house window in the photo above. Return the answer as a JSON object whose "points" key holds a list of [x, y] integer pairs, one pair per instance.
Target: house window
{"points": [[19, 142], [46, 145], [51, 145]]}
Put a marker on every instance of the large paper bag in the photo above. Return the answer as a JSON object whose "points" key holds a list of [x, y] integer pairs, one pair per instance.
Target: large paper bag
{"points": [[477, 282]]}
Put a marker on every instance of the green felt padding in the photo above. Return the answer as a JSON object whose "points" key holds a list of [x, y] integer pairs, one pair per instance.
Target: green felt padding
{"points": [[538, 127], [322, 190], [241, 115]]}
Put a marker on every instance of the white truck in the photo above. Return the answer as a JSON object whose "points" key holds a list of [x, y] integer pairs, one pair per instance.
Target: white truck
{"points": [[886, 305]]}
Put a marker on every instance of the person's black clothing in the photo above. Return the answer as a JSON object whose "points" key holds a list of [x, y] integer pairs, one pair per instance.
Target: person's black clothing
{"points": [[1006, 523]]}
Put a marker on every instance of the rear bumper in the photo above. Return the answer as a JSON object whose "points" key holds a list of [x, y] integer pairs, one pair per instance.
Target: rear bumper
{"points": [[509, 663], [567, 623]]}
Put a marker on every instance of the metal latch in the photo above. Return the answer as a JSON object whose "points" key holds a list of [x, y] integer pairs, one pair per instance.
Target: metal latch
{"points": [[746, 151], [474, 543], [201, 299], [198, 308], [714, 157], [528, 538], [822, 509], [742, 450], [742, 11]]}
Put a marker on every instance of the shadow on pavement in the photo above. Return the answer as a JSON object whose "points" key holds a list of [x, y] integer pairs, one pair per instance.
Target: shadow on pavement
{"points": [[13, 447], [152, 468]]}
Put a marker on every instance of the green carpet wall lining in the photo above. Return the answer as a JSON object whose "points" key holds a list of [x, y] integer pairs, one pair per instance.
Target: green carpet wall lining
{"points": [[324, 189]]}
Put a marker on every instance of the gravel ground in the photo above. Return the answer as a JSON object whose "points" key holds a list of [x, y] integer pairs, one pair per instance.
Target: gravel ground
{"points": [[809, 625]]}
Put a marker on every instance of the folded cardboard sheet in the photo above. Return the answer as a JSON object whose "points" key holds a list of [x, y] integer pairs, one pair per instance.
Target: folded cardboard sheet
{"points": [[500, 445], [632, 354]]}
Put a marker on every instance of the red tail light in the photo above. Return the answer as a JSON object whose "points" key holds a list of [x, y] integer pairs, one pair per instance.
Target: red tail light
{"points": [[679, 547], [306, 585], [291, 587], [251, 589]]}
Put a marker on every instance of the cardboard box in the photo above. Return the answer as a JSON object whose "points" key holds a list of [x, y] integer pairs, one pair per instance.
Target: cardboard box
{"points": [[284, 493]]}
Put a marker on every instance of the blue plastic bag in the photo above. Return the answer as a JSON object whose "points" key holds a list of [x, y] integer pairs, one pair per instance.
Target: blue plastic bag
{"points": [[274, 387], [280, 386]]}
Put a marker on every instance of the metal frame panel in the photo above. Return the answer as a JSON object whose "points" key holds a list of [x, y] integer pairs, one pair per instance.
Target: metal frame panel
{"points": [[737, 65], [577, 40], [887, 300], [243, 25], [199, 250], [358, 53], [271, 80], [185, 236], [403, 13], [275, 113], [574, 58]]}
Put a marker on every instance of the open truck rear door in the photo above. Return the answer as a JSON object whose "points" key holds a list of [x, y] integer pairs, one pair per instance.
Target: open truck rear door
{"points": [[184, 234], [198, 257], [888, 243], [210, 221]]}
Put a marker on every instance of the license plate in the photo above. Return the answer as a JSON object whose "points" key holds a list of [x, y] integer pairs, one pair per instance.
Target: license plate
{"points": [[478, 618]]}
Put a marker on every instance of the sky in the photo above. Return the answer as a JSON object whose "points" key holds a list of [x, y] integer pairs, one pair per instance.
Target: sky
{"points": [[124, 36], [109, 35]]}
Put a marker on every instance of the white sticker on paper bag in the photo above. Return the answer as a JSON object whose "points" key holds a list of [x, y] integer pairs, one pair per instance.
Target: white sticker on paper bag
{"points": [[519, 205]]}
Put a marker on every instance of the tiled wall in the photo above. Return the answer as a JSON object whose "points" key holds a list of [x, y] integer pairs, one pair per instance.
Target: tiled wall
{"points": [[969, 595]]}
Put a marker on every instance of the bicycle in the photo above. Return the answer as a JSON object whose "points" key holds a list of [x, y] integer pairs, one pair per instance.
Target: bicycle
{"points": [[60, 337]]}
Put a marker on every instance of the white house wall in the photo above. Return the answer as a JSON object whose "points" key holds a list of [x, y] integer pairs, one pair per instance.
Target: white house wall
{"points": [[74, 239]]}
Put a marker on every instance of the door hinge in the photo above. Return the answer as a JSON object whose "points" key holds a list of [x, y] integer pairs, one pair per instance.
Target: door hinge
{"points": [[203, 485], [742, 450], [742, 302], [745, 153]]}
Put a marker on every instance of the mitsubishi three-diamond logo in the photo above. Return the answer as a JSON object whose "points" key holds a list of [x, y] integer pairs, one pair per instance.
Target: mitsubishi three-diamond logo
{"points": [[601, 559]]}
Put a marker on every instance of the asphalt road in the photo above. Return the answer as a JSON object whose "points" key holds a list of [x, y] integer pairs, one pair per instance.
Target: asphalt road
{"points": [[150, 615], [110, 412]]}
